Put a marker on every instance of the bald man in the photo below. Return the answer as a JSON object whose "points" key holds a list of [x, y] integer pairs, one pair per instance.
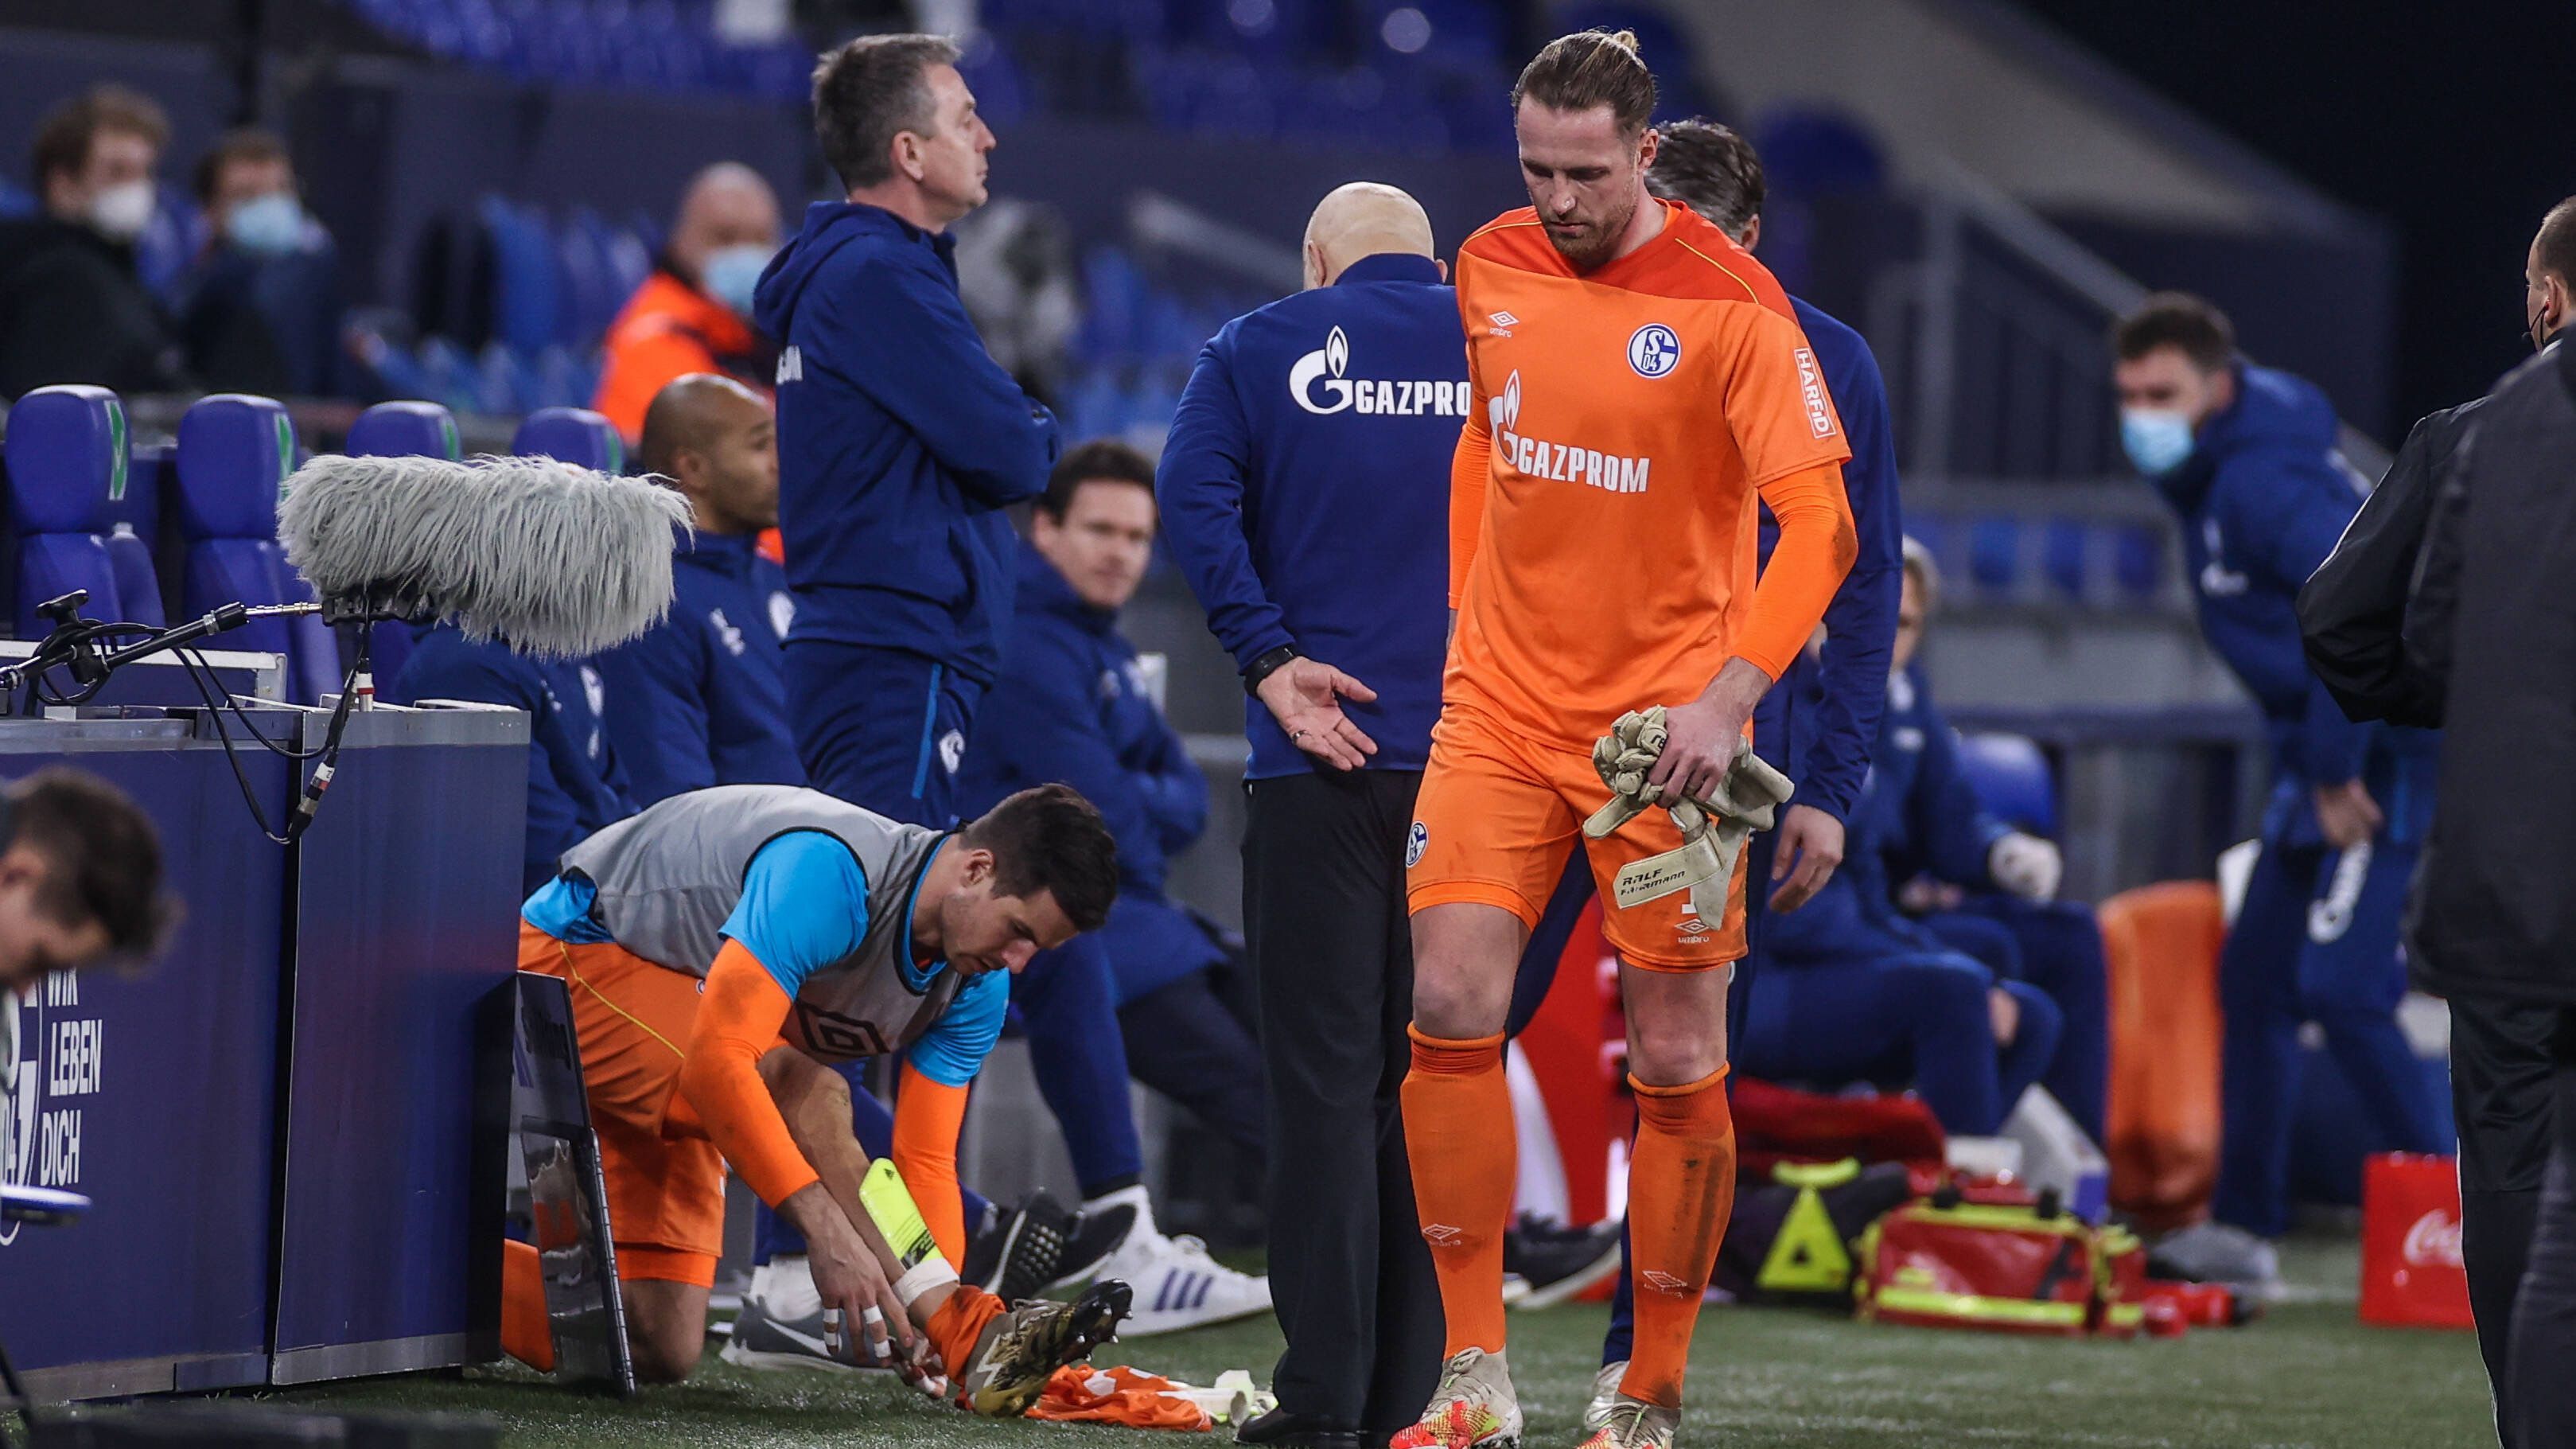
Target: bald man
{"points": [[1305, 492], [693, 314], [701, 699]]}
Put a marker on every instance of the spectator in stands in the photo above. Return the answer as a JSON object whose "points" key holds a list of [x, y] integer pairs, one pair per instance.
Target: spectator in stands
{"points": [[700, 700], [693, 314], [80, 879], [900, 445], [261, 308], [1989, 889], [575, 787], [71, 307], [2246, 456], [1072, 706]]}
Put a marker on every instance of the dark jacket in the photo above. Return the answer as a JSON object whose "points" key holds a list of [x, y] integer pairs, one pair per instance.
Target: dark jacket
{"points": [[900, 443], [701, 699], [72, 310], [1305, 493], [1819, 732], [2352, 612], [1071, 706], [2492, 913], [575, 787], [2263, 497], [1921, 814]]}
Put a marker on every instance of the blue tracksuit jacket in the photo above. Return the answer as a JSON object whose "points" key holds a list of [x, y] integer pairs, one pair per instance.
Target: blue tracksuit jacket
{"points": [[575, 785], [1921, 812], [900, 442], [1071, 707], [701, 699], [1305, 493], [2263, 497], [1818, 724]]}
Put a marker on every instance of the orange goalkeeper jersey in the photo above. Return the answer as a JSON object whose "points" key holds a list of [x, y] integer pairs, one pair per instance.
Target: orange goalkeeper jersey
{"points": [[1623, 425]]}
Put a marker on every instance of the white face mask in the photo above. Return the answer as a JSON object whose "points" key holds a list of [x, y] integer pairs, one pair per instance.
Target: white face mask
{"points": [[122, 211]]}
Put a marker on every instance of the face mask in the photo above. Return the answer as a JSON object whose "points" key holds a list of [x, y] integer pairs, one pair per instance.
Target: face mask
{"points": [[2155, 440], [122, 211], [732, 274], [267, 226]]}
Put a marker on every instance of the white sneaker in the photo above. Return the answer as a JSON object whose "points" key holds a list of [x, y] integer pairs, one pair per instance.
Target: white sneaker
{"points": [[1635, 1424], [1179, 1286], [2215, 1252], [1605, 1397], [780, 1325], [1474, 1407]]}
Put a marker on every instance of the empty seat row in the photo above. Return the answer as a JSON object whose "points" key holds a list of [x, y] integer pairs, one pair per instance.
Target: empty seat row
{"points": [[84, 507]]}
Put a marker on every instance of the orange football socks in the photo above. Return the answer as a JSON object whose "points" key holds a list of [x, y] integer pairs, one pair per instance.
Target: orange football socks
{"points": [[1458, 1135], [1681, 1187]]}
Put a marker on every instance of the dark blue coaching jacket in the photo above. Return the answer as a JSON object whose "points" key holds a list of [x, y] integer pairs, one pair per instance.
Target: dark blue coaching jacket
{"points": [[1071, 706], [900, 442], [1819, 723], [575, 787], [701, 699], [1305, 493], [2263, 496]]}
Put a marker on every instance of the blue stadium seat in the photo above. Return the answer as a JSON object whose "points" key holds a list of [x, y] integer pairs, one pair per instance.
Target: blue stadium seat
{"points": [[405, 430], [400, 430], [527, 285], [68, 469], [234, 452], [571, 435], [2012, 780], [134, 531]]}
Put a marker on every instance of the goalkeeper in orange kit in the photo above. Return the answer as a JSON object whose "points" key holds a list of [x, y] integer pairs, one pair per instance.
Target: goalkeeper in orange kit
{"points": [[1640, 385]]}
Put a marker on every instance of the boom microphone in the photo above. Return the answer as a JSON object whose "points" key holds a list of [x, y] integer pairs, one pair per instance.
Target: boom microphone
{"points": [[556, 559]]}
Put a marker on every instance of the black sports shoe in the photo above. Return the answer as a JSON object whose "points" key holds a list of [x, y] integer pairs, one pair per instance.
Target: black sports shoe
{"points": [[1019, 1255], [1020, 1350], [1097, 1233], [1560, 1262], [1298, 1431]]}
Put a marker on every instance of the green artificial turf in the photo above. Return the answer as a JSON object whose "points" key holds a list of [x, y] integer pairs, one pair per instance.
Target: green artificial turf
{"points": [[2307, 1374]]}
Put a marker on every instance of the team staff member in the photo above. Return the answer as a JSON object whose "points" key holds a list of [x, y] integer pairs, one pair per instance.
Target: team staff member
{"points": [[900, 443], [1072, 707], [700, 699], [1602, 559], [2246, 457], [2389, 656], [1301, 494], [724, 949], [693, 314], [575, 784], [80, 879]]}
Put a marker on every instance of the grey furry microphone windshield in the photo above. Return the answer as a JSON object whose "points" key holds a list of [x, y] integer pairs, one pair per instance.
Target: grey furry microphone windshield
{"points": [[556, 559]]}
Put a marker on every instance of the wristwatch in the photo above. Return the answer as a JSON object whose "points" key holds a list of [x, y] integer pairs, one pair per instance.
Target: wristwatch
{"points": [[1270, 663]]}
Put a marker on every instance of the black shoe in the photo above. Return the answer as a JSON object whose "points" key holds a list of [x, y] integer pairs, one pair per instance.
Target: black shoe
{"points": [[1095, 1234], [1299, 1431], [1018, 1256], [1560, 1262]]}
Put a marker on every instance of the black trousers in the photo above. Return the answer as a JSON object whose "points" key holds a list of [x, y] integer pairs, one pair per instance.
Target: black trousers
{"points": [[1332, 954], [2513, 1082]]}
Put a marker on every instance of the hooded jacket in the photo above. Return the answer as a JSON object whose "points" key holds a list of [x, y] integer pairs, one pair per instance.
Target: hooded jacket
{"points": [[2263, 497], [1071, 706], [900, 442]]}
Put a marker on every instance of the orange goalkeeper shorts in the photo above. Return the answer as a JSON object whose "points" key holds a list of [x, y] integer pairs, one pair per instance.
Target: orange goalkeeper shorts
{"points": [[665, 1178], [1497, 817]]}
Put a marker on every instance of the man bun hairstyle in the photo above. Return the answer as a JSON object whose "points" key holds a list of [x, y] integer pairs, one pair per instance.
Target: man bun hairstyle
{"points": [[1100, 459], [2178, 320], [1051, 839], [1587, 69], [1712, 170], [102, 856], [2556, 242], [870, 91]]}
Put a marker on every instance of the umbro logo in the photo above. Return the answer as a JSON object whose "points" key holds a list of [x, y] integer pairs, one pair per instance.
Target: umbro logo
{"points": [[1441, 1235], [1503, 322], [1663, 1282]]}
